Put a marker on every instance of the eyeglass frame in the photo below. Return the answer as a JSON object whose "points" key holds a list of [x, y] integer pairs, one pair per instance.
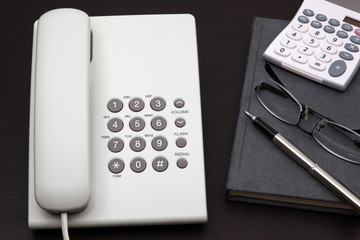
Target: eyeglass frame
{"points": [[304, 112]]}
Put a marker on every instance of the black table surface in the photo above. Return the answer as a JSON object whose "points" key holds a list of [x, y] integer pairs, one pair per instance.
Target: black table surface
{"points": [[223, 31]]}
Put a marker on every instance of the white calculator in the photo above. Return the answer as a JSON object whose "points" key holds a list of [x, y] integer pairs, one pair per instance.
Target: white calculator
{"points": [[321, 43]]}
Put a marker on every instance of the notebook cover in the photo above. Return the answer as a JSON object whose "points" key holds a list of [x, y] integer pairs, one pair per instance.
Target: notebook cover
{"points": [[258, 168]]}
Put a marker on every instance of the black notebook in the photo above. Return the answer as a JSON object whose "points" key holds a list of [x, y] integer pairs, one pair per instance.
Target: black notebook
{"points": [[259, 172]]}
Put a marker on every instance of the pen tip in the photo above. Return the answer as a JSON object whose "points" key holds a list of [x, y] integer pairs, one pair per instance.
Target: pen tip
{"points": [[248, 114]]}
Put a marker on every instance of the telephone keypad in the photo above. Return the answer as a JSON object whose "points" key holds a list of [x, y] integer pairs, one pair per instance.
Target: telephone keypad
{"points": [[137, 144]]}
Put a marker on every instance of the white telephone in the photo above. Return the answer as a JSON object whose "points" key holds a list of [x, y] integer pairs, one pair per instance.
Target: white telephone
{"points": [[115, 121]]}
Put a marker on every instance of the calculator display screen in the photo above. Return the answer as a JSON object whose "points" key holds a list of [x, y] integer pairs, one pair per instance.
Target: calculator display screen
{"points": [[352, 21]]}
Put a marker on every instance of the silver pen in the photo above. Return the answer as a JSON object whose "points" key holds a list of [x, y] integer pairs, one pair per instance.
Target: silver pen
{"points": [[300, 157]]}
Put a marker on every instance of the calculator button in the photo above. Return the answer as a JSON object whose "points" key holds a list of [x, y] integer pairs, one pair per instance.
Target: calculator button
{"points": [[308, 12], [294, 35], [329, 49], [355, 39], [324, 57], [158, 104], [137, 124], [288, 43], [180, 122], [329, 29], [351, 47], [115, 125], [303, 19], [337, 68], [334, 22], [334, 41], [159, 143], [115, 105], [321, 17], [342, 34], [316, 24], [346, 56], [317, 65], [312, 42], [138, 165], [160, 164], [158, 123], [317, 34], [299, 58], [115, 145], [300, 27], [137, 144], [179, 103], [182, 163], [347, 27], [116, 166], [282, 51], [357, 31], [305, 50], [181, 142], [136, 104]]}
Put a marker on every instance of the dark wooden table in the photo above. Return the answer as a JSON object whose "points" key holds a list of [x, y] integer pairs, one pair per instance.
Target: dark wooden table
{"points": [[224, 29]]}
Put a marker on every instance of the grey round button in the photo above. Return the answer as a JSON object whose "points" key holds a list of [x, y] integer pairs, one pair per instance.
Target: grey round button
{"points": [[182, 163], [136, 104], [137, 144], [137, 124], [157, 104], [346, 56], [116, 166], [115, 145], [303, 19], [355, 39], [115, 125], [321, 17], [115, 105], [329, 29], [351, 47], [180, 122], [138, 165], [347, 27], [158, 123], [316, 24], [159, 143], [179, 103], [342, 34], [181, 142], [308, 12], [337, 68], [334, 22], [160, 164]]}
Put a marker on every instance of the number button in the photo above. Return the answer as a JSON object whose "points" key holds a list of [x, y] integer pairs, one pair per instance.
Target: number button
{"points": [[294, 36], [137, 144], [137, 124], [115, 105], [317, 34], [160, 164], [158, 104], [138, 165], [312, 42], [115, 125], [282, 51], [115, 145], [329, 49], [158, 123], [334, 41], [288, 43], [323, 57], [300, 27], [305, 50], [136, 104], [159, 143]]}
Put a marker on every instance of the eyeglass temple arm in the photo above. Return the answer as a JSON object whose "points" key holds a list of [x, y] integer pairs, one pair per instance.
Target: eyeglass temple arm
{"points": [[272, 74]]}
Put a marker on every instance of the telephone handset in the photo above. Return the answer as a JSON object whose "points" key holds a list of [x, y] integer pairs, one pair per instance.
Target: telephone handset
{"points": [[115, 121]]}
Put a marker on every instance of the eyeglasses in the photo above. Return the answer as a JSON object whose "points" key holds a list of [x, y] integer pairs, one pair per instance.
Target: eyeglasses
{"points": [[337, 139]]}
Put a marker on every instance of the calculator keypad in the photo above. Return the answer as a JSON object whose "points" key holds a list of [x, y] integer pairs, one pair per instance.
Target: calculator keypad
{"points": [[157, 143], [325, 44]]}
